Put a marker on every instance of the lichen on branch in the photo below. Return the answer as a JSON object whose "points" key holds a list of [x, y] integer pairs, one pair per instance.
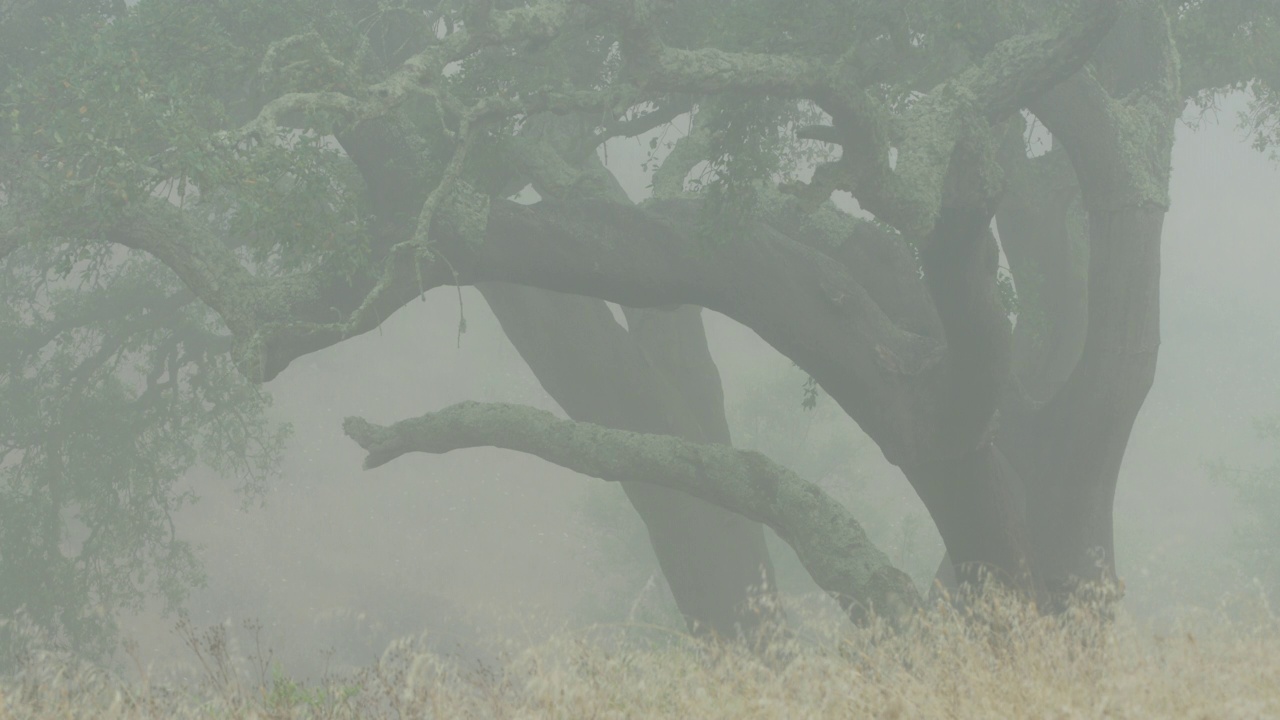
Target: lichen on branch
{"points": [[826, 537]]}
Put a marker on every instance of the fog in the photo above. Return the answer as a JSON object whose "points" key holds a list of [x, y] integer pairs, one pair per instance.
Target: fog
{"points": [[484, 543]]}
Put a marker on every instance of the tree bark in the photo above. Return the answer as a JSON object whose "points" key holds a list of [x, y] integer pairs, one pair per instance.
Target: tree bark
{"points": [[975, 498], [1044, 235], [980, 509], [1070, 451], [654, 376], [1117, 127], [826, 537]]}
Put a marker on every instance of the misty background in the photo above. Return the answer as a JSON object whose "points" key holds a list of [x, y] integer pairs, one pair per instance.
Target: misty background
{"points": [[484, 543]]}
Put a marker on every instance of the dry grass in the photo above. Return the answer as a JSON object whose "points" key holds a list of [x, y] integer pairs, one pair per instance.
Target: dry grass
{"points": [[993, 660]]}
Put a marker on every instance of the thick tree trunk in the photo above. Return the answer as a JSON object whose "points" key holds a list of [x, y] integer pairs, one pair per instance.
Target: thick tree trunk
{"points": [[1064, 458], [974, 496], [655, 376], [1045, 238], [1117, 127], [979, 507], [1070, 452]]}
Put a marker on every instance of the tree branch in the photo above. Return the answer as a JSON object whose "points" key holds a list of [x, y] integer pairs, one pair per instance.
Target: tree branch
{"points": [[810, 308], [419, 74], [1119, 143], [909, 194], [251, 307], [1022, 68], [801, 302], [1043, 234], [828, 540], [656, 375]]}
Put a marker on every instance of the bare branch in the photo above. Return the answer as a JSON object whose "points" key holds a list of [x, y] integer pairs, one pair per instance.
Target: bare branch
{"points": [[827, 538]]}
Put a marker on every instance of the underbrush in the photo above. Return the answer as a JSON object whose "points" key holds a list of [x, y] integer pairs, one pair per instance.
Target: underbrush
{"points": [[993, 659]]}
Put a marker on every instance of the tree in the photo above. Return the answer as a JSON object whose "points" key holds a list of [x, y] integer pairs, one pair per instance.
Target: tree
{"points": [[288, 174]]}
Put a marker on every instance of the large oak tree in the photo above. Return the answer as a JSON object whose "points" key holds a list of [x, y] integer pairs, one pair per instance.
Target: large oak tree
{"points": [[194, 187]]}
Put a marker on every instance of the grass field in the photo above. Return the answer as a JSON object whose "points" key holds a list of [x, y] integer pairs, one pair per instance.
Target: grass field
{"points": [[995, 659]]}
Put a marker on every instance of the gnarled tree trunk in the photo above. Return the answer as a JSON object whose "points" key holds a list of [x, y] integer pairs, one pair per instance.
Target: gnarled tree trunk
{"points": [[654, 376]]}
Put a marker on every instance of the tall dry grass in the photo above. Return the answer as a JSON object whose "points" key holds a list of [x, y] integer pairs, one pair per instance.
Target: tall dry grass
{"points": [[993, 659]]}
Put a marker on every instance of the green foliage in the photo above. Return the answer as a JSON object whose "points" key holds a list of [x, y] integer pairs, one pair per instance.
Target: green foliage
{"points": [[115, 380], [113, 388], [134, 109], [1228, 46]]}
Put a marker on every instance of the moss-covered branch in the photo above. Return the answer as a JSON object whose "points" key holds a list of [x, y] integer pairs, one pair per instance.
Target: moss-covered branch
{"points": [[1120, 138], [826, 537], [908, 193], [420, 74]]}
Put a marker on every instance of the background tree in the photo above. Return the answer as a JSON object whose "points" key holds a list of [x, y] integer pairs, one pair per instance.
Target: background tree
{"points": [[299, 182], [1258, 490], [114, 381]]}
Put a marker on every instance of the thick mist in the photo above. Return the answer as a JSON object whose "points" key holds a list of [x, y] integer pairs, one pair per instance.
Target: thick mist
{"points": [[478, 544]]}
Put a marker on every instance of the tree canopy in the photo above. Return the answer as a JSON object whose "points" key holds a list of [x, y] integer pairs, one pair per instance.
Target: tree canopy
{"points": [[194, 195]]}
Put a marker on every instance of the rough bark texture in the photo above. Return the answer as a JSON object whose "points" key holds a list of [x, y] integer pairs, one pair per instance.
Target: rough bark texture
{"points": [[1070, 451], [654, 376], [827, 539]]}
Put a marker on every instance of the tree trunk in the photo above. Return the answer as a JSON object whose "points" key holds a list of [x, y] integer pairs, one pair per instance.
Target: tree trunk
{"points": [[655, 376], [1064, 457], [1044, 236], [973, 495], [1070, 451], [979, 507]]}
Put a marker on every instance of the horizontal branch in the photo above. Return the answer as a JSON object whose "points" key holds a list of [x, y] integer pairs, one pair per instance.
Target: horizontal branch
{"points": [[813, 309], [809, 307], [710, 71], [204, 263], [828, 540]]}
